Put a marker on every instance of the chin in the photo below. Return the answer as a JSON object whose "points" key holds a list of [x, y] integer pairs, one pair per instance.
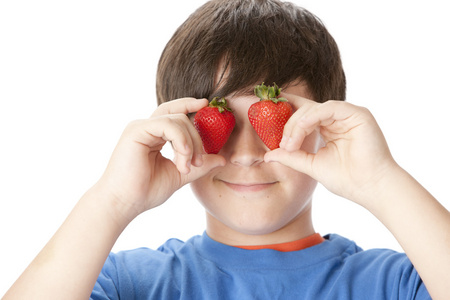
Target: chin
{"points": [[262, 230], [254, 212], [256, 223]]}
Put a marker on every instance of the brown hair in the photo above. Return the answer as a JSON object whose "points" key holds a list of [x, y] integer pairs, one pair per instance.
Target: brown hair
{"points": [[253, 41]]}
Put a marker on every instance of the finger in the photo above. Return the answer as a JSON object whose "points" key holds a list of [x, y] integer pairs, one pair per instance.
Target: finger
{"points": [[297, 101], [194, 142], [210, 161], [191, 153], [156, 131], [197, 155], [180, 106], [301, 107], [300, 160], [320, 115]]}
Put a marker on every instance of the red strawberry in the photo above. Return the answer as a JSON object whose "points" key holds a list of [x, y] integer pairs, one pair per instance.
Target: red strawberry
{"points": [[269, 115], [214, 123]]}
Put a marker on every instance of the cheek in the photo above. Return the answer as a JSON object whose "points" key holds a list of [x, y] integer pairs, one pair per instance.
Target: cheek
{"points": [[298, 186], [204, 190], [196, 187]]}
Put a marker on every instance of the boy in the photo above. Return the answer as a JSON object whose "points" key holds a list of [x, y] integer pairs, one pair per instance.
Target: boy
{"points": [[254, 198]]}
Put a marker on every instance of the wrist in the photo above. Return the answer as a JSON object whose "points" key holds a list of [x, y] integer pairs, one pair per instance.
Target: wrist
{"points": [[375, 194], [119, 212]]}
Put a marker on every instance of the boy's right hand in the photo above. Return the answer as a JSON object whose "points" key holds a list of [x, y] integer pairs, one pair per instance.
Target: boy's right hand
{"points": [[138, 177]]}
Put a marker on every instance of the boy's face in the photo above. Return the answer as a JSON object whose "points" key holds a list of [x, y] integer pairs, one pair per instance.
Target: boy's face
{"points": [[250, 198]]}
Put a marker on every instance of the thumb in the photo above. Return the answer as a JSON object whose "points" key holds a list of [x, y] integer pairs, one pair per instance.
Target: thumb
{"points": [[210, 161], [299, 160]]}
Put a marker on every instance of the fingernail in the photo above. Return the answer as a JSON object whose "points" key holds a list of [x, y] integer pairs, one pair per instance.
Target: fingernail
{"points": [[290, 142], [188, 165], [198, 160], [283, 141]]}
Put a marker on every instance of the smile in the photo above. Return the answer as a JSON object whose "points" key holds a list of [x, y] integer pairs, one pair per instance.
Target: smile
{"points": [[248, 187]]}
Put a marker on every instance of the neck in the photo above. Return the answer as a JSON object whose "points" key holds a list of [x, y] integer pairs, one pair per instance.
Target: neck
{"points": [[300, 227]]}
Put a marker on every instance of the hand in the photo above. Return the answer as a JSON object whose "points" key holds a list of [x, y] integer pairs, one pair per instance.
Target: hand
{"points": [[138, 176], [354, 156]]}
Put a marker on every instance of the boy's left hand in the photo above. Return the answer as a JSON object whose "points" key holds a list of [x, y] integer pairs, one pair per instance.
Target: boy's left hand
{"points": [[354, 155], [355, 162]]}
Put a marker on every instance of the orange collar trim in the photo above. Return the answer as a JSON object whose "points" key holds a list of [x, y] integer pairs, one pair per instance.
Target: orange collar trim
{"points": [[300, 244]]}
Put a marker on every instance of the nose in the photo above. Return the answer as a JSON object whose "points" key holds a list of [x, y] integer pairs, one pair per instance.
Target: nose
{"points": [[244, 147]]}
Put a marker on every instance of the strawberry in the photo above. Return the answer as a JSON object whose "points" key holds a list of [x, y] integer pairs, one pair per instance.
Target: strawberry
{"points": [[214, 123], [269, 115]]}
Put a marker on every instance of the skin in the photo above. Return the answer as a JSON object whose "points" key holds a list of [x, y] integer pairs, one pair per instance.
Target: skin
{"points": [[250, 201], [353, 161]]}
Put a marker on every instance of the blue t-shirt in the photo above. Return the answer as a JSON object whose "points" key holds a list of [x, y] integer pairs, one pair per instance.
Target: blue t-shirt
{"points": [[202, 268]]}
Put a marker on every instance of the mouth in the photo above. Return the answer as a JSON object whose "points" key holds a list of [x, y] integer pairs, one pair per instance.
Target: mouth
{"points": [[249, 187]]}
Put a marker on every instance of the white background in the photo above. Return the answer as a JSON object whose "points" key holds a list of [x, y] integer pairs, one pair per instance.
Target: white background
{"points": [[74, 73]]}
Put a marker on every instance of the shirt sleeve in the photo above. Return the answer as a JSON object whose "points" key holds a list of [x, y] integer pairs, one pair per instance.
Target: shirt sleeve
{"points": [[411, 284], [388, 275], [106, 285]]}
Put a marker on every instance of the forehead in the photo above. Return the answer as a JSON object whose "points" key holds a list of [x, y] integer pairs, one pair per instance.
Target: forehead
{"points": [[240, 101], [299, 88], [222, 74]]}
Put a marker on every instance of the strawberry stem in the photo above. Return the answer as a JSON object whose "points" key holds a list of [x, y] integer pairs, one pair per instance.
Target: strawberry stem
{"points": [[220, 104], [264, 92]]}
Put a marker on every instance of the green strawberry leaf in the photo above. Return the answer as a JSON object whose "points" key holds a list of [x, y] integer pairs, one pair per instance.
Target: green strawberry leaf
{"points": [[269, 93], [220, 103]]}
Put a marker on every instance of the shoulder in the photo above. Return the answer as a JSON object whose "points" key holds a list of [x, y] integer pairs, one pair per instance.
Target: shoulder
{"points": [[144, 256], [352, 256], [383, 270], [144, 272]]}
